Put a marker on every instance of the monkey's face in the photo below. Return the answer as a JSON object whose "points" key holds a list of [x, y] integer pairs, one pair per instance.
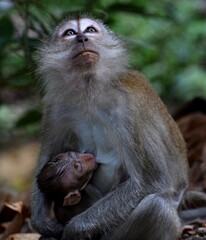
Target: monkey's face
{"points": [[82, 46], [75, 169], [66, 172], [81, 37], [80, 164]]}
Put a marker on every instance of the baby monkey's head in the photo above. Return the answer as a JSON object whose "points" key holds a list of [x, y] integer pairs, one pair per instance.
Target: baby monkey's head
{"points": [[66, 173]]}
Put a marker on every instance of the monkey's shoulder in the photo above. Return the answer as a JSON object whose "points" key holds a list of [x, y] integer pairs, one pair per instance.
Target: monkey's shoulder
{"points": [[142, 95], [137, 83], [131, 77]]}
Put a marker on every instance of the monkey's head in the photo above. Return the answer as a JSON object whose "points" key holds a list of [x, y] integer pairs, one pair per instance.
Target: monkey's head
{"points": [[66, 172], [80, 47]]}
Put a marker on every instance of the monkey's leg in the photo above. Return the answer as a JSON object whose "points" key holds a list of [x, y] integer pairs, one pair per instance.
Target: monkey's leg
{"points": [[154, 218]]}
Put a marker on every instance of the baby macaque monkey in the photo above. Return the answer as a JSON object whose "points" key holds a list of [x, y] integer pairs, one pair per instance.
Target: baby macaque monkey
{"points": [[62, 179]]}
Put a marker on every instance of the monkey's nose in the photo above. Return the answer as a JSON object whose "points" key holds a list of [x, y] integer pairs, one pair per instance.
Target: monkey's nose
{"points": [[82, 38], [89, 157]]}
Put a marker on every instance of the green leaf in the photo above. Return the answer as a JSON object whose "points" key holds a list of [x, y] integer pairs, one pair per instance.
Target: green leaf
{"points": [[6, 30], [30, 117]]}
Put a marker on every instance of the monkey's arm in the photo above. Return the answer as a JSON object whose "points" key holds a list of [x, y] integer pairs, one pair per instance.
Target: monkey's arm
{"points": [[105, 214], [113, 210], [93, 193], [41, 205], [52, 144]]}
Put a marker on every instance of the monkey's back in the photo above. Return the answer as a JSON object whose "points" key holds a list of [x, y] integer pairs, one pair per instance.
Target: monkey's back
{"points": [[155, 127]]}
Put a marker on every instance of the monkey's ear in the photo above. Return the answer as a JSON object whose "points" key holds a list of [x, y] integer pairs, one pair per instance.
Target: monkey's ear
{"points": [[72, 198]]}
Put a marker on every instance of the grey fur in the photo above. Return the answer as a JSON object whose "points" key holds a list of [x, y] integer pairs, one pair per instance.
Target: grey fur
{"points": [[121, 126]]}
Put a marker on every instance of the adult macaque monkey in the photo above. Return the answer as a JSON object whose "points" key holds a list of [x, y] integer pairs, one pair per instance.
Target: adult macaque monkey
{"points": [[95, 104]]}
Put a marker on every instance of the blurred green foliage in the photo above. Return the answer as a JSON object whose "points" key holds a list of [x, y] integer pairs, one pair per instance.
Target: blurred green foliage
{"points": [[166, 40]]}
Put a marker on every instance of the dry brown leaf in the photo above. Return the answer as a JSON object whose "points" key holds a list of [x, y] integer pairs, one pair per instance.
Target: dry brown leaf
{"points": [[17, 222], [10, 210], [193, 128], [14, 226], [4, 226], [17, 206], [24, 236]]}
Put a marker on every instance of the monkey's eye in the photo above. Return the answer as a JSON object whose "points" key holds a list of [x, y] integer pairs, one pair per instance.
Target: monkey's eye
{"points": [[91, 30], [78, 166], [59, 157], [69, 32]]}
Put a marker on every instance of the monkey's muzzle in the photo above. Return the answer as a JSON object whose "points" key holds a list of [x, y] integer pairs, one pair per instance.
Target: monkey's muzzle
{"points": [[85, 53]]}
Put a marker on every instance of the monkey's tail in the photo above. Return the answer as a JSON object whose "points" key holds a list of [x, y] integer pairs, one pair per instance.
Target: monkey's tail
{"points": [[193, 205]]}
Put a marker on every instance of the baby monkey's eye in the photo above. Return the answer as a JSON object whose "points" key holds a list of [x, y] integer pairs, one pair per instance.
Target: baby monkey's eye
{"points": [[69, 32], [91, 30], [78, 166], [59, 157]]}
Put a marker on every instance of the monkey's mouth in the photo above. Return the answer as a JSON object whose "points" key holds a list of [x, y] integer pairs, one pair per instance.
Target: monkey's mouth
{"points": [[85, 53]]}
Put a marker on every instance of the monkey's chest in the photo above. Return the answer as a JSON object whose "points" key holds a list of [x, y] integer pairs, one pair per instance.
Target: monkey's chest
{"points": [[97, 134]]}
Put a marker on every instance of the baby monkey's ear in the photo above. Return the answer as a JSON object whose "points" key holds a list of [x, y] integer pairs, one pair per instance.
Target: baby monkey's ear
{"points": [[72, 198]]}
